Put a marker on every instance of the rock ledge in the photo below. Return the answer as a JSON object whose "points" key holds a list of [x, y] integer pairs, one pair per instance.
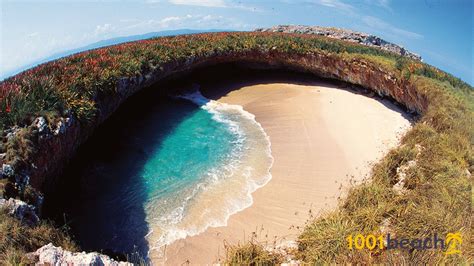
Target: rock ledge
{"points": [[346, 35], [51, 255]]}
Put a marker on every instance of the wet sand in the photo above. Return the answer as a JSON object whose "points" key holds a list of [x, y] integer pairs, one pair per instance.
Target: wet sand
{"points": [[322, 137]]}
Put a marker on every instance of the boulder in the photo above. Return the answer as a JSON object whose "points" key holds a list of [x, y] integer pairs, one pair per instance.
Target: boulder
{"points": [[51, 255], [7, 170], [41, 124], [20, 210]]}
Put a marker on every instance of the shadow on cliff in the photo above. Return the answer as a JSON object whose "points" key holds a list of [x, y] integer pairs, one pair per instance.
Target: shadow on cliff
{"points": [[218, 81], [103, 196]]}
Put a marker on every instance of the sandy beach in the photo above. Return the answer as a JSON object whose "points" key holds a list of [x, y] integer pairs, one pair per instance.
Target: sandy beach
{"points": [[321, 138]]}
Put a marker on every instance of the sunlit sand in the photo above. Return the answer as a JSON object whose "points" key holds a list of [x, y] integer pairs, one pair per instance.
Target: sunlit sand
{"points": [[322, 137]]}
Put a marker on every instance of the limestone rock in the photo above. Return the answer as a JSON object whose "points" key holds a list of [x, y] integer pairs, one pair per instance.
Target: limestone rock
{"points": [[51, 255], [402, 171], [20, 210], [346, 35], [41, 124], [60, 128], [7, 170]]}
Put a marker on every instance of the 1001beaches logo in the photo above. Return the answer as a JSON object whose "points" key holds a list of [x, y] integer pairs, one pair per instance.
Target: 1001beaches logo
{"points": [[450, 244]]}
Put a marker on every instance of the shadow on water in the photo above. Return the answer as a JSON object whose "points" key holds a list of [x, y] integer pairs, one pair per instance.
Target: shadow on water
{"points": [[103, 196]]}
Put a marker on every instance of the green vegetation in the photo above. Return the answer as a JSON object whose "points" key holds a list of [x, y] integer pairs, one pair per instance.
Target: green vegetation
{"points": [[74, 83], [16, 239], [251, 253], [434, 196]]}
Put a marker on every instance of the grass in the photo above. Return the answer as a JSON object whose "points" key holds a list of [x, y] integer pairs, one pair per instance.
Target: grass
{"points": [[436, 198], [436, 195], [251, 253], [74, 83], [16, 239]]}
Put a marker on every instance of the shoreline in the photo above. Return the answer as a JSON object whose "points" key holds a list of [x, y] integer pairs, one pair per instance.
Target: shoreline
{"points": [[235, 181], [301, 120]]}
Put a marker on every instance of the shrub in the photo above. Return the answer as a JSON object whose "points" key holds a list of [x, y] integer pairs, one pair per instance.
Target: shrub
{"points": [[251, 253], [16, 239], [437, 189]]}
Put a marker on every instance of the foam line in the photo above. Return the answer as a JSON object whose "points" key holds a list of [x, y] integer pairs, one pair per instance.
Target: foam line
{"points": [[223, 113]]}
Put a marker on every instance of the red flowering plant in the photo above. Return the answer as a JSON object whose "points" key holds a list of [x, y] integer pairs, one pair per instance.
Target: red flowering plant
{"points": [[77, 80], [76, 84]]}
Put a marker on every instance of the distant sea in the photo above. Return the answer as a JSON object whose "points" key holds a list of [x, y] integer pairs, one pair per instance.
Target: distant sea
{"points": [[103, 43]]}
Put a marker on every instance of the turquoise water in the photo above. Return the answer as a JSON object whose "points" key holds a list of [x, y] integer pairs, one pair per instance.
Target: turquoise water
{"points": [[197, 144], [162, 170], [207, 168], [180, 166]]}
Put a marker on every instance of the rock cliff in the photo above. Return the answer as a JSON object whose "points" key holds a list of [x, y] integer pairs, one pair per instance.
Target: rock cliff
{"points": [[51, 255], [346, 35], [20, 210], [56, 147], [56, 144]]}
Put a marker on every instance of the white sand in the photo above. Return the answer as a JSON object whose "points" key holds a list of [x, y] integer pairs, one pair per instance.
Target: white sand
{"points": [[321, 136]]}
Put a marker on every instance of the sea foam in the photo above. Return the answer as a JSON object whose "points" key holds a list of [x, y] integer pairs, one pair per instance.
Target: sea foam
{"points": [[225, 189]]}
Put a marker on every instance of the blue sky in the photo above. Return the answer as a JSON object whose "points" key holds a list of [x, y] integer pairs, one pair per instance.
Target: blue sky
{"points": [[441, 31]]}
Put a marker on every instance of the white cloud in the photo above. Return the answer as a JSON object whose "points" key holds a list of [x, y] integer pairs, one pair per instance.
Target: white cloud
{"points": [[33, 34], [383, 26], [375, 24], [128, 20], [103, 29], [345, 6], [210, 3], [187, 21], [159, 23], [385, 4], [337, 4], [206, 3], [208, 17]]}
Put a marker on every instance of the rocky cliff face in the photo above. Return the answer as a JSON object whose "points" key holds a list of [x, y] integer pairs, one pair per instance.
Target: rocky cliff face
{"points": [[56, 147], [346, 35], [51, 255], [56, 144], [20, 210]]}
